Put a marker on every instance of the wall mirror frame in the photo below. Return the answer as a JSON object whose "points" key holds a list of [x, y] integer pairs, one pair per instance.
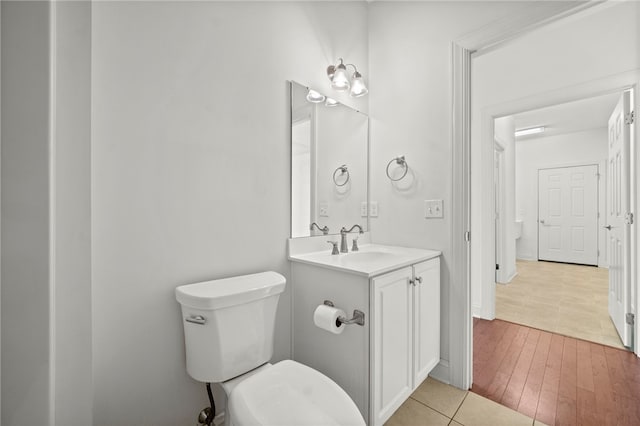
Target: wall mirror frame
{"points": [[329, 164]]}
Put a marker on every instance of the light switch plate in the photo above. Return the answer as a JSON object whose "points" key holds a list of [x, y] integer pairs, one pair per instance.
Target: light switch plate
{"points": [[373, 209], [433, 209], [323, 209]]}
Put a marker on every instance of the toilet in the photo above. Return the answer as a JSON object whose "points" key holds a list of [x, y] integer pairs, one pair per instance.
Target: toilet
{"points": [[228, 329]]}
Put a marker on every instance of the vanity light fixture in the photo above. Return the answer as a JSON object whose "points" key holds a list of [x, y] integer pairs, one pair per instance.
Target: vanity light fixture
{"points": [[529, 131], [330, 102], [315, 97], [341, 81]]}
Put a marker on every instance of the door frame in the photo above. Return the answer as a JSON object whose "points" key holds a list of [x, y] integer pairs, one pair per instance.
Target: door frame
{"points": [[499, 205], [460, 365]]}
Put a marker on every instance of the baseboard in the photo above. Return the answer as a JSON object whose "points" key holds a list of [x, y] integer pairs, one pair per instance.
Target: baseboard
{"points": [[441, 372]]}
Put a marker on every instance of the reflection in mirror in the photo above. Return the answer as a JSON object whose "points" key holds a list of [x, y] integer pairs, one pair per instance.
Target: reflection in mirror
{"points": [[329, 164]]}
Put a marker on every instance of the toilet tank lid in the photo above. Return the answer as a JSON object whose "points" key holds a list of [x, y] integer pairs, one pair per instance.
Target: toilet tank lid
{"points": [[230, 291]]}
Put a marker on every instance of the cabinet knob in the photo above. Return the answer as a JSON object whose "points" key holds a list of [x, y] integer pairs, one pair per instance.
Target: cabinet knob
{"points": [[419, 279]]}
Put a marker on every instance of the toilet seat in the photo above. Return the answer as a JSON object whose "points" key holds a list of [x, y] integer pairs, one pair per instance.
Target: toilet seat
{"points": [[290, 393]]}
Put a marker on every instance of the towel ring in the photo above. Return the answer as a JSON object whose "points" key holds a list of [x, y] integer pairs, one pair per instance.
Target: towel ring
{"points": [[342, 169], [402, 162]]}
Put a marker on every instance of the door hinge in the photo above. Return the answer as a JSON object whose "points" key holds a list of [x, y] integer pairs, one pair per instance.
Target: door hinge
{"points": [[630, 117], [629, 218], [467, 236], [497, 267], [630, 319]]}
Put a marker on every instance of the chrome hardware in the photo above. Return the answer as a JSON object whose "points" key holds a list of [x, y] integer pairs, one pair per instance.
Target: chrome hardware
{"points": [[630, 318], [541, 221], [335, 247], [343, 238], [358, 316], [343, 171], [196, 319], [354, 247], [419, 279], [608, 227], [630, 117], [400, 161], [325, 229], [415, 281], [628, 218]]}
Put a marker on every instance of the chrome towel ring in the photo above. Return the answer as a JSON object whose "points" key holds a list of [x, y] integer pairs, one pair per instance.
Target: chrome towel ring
{"points": [[402, 163], [343, 170]]}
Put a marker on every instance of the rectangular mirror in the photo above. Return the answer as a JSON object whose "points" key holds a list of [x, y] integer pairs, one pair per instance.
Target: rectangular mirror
{"points": [[329, 164]]}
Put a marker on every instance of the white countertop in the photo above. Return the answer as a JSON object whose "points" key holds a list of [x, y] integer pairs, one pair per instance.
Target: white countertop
{"points": [[369, 261]]}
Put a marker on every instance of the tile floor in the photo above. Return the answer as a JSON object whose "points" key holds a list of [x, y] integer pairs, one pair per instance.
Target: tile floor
{"points": [[562, 298], [435, 403]]}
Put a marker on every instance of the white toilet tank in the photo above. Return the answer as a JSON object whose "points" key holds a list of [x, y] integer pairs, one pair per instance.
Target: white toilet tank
{"points": [[229, 324]]}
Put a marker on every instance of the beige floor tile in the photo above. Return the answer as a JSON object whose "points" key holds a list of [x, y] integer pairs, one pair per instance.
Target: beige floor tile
{"points": [[479, 411], [566, 299], [439, 396], [454, 423], [413, 413]]}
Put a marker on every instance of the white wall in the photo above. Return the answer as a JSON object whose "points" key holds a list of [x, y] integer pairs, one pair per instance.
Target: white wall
{"points": [[410, 101], [504, 134], [580, 148], [25, 213], [190, 174], [72, 213], [570, 59]]}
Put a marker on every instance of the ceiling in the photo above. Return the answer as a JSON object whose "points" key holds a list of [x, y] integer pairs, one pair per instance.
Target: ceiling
{"points": [[581, 115]]}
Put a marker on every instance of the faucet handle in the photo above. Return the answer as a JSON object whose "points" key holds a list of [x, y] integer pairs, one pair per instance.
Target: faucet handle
{"points": [[354, 247], [335, 247]]}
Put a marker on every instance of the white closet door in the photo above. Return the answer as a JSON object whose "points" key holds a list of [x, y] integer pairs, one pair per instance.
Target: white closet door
{"points": [[618, 219], [568, 214]]}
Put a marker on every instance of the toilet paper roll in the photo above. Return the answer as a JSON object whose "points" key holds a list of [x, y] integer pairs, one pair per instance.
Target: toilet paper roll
{"points": [[326, 318]]}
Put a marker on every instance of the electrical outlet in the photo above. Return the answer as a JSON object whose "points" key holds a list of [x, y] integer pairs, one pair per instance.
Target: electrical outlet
{"points": [[363, 209], [323, 209], [373, 209], [433, 209]]}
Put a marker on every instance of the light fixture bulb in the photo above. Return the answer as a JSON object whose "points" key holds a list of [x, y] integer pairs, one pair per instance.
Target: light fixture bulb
{"points": [[358, 88], [340, 79], [330, 102], [315, 97]]}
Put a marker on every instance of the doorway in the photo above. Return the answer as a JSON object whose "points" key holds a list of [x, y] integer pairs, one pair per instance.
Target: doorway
{"points": [[560, 199]]}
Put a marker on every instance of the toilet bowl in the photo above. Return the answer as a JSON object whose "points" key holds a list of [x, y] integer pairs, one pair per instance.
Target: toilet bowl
{"points": [[228, 326]]}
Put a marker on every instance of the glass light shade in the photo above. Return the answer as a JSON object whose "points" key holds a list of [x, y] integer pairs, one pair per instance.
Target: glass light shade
{"points": [[331, 102], [315, 97], [358, 88], [340, 80]]}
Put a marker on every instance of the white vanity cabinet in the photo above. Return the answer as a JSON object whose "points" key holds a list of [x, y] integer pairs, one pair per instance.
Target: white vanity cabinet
{"points": [[405, 334], [381, 363]]}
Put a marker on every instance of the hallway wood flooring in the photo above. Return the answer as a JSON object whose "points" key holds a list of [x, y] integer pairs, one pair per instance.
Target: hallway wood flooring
{"points": [[555, 379]]}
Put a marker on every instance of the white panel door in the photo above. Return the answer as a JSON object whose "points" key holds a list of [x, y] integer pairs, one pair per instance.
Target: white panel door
{"points": [[426, 311], [392, 334], [617, 219], [568, 214]]}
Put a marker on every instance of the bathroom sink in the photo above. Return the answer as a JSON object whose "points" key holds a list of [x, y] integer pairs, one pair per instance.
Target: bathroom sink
{"points": [[370, 260], [365, 257]]}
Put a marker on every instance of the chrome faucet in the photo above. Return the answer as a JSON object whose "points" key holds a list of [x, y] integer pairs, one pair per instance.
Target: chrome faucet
{"points": [[324, 230], [343, 238]]}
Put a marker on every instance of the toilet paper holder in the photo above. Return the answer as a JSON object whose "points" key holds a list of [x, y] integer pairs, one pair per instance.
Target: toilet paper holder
{"points": [[358, 316]]}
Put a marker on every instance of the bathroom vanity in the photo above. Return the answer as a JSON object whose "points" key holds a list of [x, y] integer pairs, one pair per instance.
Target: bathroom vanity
{"points": [[382, 362]]}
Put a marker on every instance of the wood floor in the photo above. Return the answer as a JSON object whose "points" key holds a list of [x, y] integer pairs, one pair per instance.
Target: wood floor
{"points": [[555, 379]]}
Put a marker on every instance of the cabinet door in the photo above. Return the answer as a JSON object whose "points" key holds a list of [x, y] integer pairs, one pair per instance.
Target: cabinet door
{"points": [[426, 309], [392, 341]]}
